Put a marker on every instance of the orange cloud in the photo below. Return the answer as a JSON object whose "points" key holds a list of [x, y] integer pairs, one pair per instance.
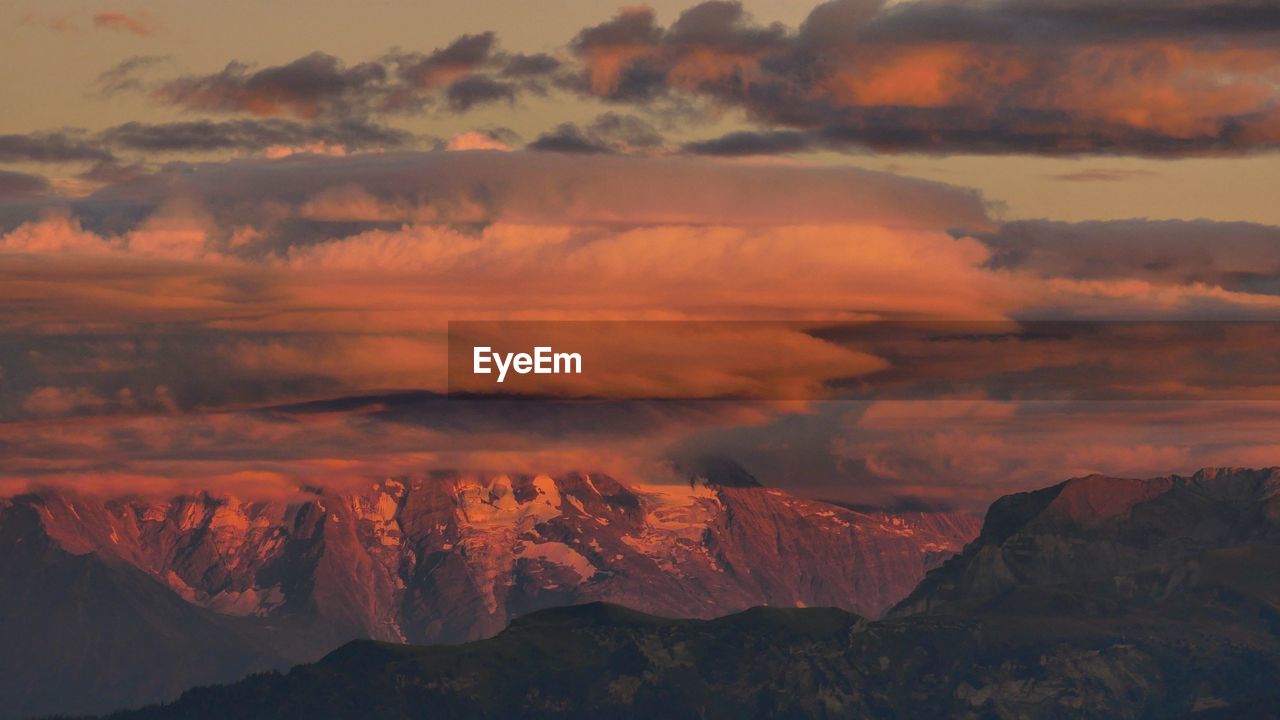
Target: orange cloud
{"points": [[264, 322], [969, 451], [53, 401], [475, 141], [141, 24], [947, 77]]}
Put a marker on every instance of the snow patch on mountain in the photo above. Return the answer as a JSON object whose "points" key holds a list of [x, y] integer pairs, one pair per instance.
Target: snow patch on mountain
{"points": [[559, 554], [455, 556]]}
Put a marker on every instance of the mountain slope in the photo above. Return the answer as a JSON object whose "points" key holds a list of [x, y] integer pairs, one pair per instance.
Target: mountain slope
{"points": [[1098, 597], [605, 661], [453, 557], [122, 601], [595, 660], [80, 633], [1097, 529]]}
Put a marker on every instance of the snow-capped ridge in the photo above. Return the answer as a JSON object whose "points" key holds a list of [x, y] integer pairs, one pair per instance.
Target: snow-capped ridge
{"points": [[453, 556]]}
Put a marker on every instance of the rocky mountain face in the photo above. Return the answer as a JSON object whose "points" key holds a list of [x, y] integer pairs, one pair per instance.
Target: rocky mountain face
{"points": [[452, 557], [1098, 597], [1103, 530]]}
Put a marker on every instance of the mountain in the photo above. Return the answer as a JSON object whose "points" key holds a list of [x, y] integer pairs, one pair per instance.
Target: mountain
{"points": [[595, 660], [1098, 597], [82, 633], [1099, 530], [446, 557]]}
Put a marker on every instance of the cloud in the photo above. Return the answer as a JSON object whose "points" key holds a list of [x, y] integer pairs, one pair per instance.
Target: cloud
{"points": [[54, 147], [1102, 175], [1012, 76], [568, 138], [549, 189], [140, 24], [610, 132], [466, 93], [481, 140], [250, 135], [311, 277], [270, 451], [461, 57], [53, 234], [468, 72], [746, 142], [139, 142], [971, 451], [520, 65], [254, 282], [1235, 256], [311, 86], [15, 185], [53, 401], [287, 318], [128, 75], [1173, 79]]}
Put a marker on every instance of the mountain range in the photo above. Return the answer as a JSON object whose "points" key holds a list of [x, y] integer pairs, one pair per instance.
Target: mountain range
{"points": [[120, 601], [1096, 597]]}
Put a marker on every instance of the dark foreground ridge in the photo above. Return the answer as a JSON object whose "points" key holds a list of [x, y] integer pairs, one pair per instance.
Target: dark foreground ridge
{"points": [[1095, 598]]}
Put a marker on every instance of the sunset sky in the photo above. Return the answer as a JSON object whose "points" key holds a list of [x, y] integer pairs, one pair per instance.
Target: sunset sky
{"points": [[232, 234]]}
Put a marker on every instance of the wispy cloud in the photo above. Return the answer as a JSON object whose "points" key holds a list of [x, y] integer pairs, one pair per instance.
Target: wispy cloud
{"points": [[1102, 175], [141, 24]]}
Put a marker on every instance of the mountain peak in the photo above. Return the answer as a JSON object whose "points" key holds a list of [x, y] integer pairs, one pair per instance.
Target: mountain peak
{"points": [[454, 556], [1095, 528], [719, 471], [1096, 498]]}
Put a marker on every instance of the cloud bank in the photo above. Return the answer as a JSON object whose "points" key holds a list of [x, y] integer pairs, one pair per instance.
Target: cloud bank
{"points": [[1153, 78]]}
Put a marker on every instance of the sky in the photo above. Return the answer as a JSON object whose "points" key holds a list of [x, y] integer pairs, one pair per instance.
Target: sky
{"points": [[232, 236]]}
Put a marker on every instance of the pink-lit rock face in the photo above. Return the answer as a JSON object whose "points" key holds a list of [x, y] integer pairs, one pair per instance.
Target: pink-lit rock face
{"points": [[452, 557]]}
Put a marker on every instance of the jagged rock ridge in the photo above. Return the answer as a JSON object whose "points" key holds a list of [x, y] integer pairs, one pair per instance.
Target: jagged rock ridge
{"points": [[1097, 529], [454, 557], [441, 558]]}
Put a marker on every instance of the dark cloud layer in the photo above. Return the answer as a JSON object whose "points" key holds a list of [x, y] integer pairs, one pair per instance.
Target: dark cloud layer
{"points": [[210, 136], [533, 65], [108, 152], [16, 185], [50, 148], [543, 188], [1078, 21], [1161, 78], [610, 132], [473, 90], [1243, 257], [314, 85], [464, 55], [1060, 78], [746, 142], [468, 72]]}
